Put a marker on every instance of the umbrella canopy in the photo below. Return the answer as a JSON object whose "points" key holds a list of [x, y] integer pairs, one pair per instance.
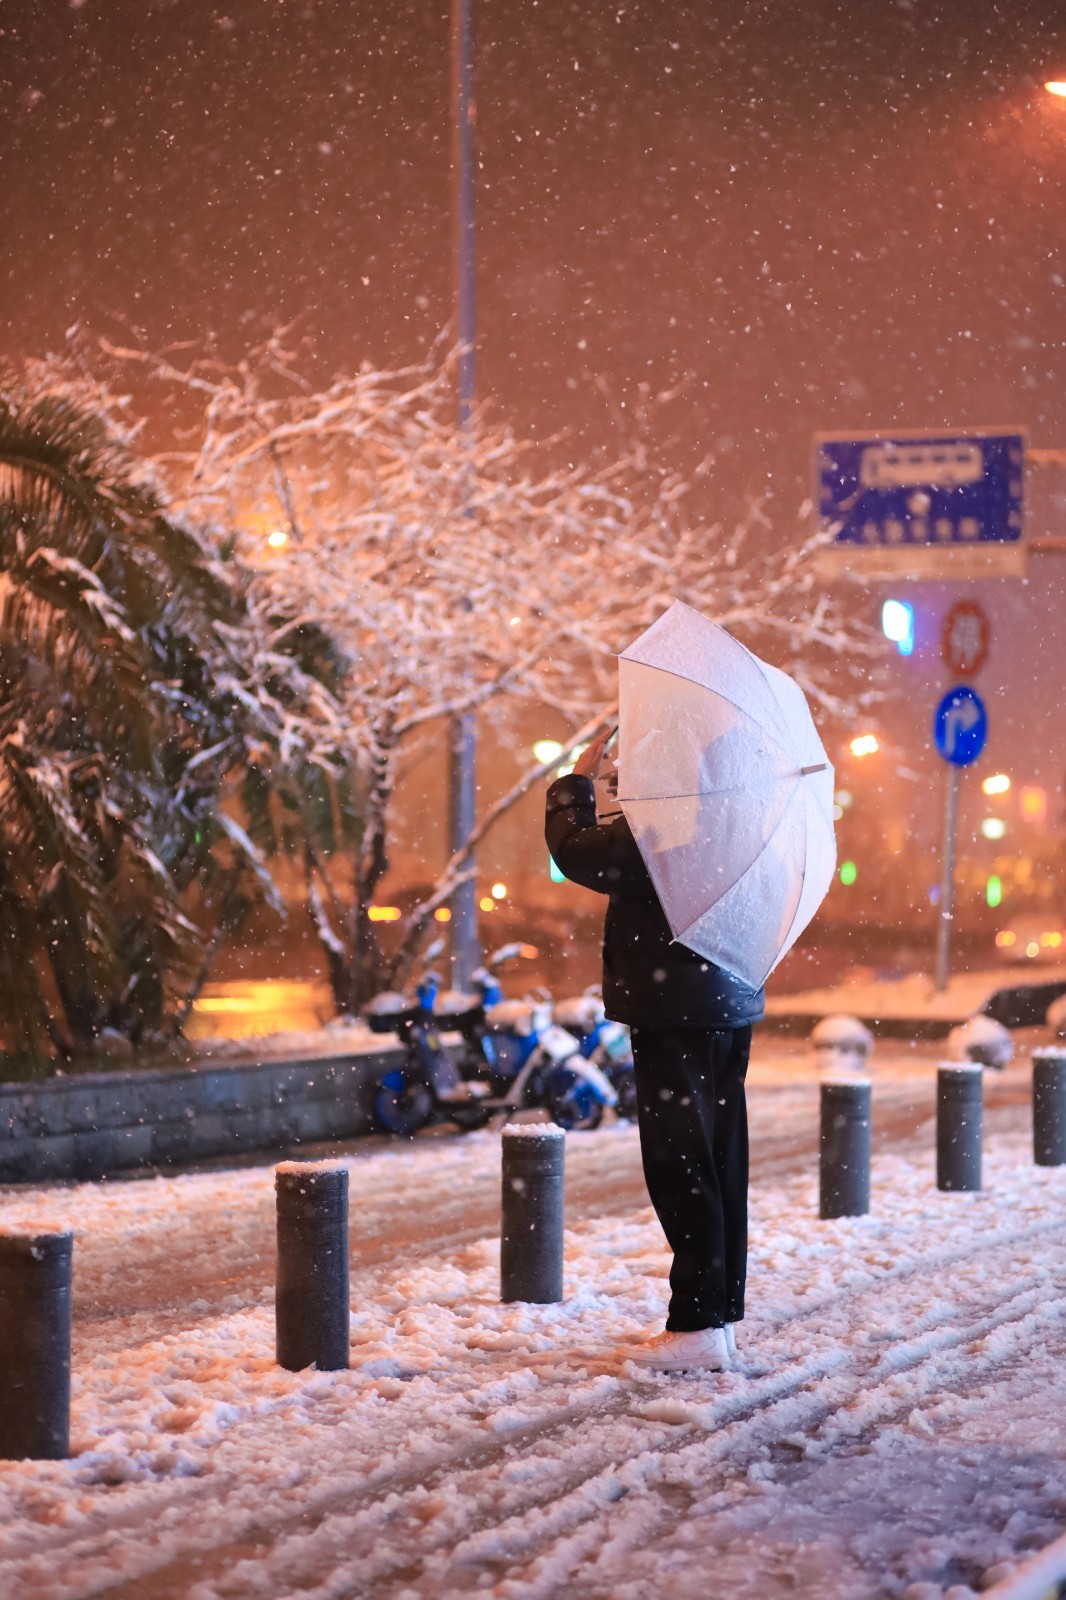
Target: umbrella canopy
{"points": [[727, 789]]}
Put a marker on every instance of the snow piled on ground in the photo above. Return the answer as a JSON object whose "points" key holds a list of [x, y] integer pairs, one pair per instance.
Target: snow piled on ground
{"points": [[893, 1427]]}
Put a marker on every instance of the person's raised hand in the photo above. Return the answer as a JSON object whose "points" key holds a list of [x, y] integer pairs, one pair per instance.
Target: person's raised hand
{"points": [[590, 760]]}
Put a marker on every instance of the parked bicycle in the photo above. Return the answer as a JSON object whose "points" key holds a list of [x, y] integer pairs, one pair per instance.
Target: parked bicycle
{"points": [[509, 1056], [606, 1043]]}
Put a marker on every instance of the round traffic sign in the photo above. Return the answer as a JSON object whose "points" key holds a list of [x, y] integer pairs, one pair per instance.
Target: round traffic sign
{"points": [[960, 726], [965, 637]]}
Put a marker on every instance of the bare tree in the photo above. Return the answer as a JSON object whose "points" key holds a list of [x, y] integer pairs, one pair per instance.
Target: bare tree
{"points": [[456, 573]]}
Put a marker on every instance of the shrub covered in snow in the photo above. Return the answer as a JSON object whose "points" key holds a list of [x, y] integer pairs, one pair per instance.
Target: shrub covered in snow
{"points": [[982, 1040], [841, 1044]]}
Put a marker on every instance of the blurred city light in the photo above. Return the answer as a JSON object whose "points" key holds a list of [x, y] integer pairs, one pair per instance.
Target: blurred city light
{"points": [[499, 891], [843, 798], [1056, 87], [442, 914], [1032, 949], [487, 903], [546, 750], [897, 624], [998, 783], [994, 889], [1005, 938], [864, 745], [553, 871], [384, 913], [848, 873], [993, 827], [1032, 803], [278, 539]]}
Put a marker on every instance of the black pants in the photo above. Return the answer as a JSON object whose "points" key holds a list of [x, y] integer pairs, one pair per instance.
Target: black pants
{"points": [[694, 1145]]}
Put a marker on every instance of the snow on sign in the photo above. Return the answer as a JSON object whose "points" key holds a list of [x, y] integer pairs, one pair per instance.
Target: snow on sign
{"points": [[960, 726], [965, 637], [927, 505]]}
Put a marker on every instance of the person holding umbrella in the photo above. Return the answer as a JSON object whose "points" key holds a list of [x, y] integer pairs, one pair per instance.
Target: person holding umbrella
{"points": [[718, 853]]}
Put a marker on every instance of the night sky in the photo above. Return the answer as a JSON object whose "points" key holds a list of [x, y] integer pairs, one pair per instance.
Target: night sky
{"points": [[811, 216]]}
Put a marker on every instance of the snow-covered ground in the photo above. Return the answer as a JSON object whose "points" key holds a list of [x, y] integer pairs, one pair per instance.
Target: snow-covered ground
{"points": [[893, 1427]]}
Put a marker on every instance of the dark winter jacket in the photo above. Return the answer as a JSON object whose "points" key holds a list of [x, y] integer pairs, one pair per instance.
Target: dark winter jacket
{"points": [[649, 980]]}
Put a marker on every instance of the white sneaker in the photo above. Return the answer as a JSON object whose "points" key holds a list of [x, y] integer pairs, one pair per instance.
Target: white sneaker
{"points": [[706, 1350], [731, 1340]]}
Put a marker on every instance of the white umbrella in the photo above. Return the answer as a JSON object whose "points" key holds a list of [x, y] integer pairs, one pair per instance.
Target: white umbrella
{"points": [[727, 789]]}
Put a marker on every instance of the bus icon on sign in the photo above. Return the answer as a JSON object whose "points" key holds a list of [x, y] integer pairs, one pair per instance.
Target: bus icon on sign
{"points": [[927, 466]]}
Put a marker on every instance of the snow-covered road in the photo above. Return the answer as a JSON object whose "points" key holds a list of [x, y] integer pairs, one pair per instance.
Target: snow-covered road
{"points": [[893, 1427]]}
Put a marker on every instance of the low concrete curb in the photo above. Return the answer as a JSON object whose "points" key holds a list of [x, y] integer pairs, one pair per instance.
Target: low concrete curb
{"points": [[92, 1126]]}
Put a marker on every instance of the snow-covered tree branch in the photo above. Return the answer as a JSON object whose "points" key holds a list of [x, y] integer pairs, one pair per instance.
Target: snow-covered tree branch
{"points": [[454, 573]]}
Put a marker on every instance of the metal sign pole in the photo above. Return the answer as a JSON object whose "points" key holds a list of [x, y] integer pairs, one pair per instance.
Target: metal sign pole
{"points": [[462, 745], [947, 880]]}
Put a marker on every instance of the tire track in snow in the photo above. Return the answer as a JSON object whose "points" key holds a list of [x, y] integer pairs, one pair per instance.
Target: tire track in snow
{"points": [[384, 1232], [779, 1160], [583, 1478]]}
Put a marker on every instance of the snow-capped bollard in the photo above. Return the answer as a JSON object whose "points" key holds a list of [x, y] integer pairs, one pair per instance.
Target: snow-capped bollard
{"points": [[1049, 1107], [844, 1171], [35, 1274], [311, 1307], [531, 1206], [959, 1107]]}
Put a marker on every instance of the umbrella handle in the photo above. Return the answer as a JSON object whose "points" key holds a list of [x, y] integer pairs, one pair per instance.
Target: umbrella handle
{"points": [[805, 772]]}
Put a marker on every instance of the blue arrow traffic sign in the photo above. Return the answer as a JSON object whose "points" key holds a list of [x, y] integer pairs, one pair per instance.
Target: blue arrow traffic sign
{"points": [[960, 726]]}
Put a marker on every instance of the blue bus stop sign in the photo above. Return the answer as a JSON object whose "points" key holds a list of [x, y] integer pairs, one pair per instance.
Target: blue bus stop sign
{"points": [[908, 490], [960, 726]]}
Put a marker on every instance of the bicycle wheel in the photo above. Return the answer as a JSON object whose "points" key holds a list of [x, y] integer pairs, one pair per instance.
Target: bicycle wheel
{"points": [[572, 1101], [402, 1103]]}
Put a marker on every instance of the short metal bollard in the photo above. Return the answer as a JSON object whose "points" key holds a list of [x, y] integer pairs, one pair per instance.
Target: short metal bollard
{"points": [[959, 1107], [35, 1278], [844, 1147], [1049, 1107], [531, 1231], [311, 1308]]}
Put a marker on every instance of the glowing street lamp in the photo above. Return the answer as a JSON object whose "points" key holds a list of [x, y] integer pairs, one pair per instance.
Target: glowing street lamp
{"points": [[1057, 87]]}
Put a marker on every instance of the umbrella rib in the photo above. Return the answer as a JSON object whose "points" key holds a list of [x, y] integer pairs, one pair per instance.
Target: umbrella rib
{"points": [[706, 794]]}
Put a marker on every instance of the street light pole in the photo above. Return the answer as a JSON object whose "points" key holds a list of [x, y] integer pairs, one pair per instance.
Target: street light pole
{"points": [[462, 744]]}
